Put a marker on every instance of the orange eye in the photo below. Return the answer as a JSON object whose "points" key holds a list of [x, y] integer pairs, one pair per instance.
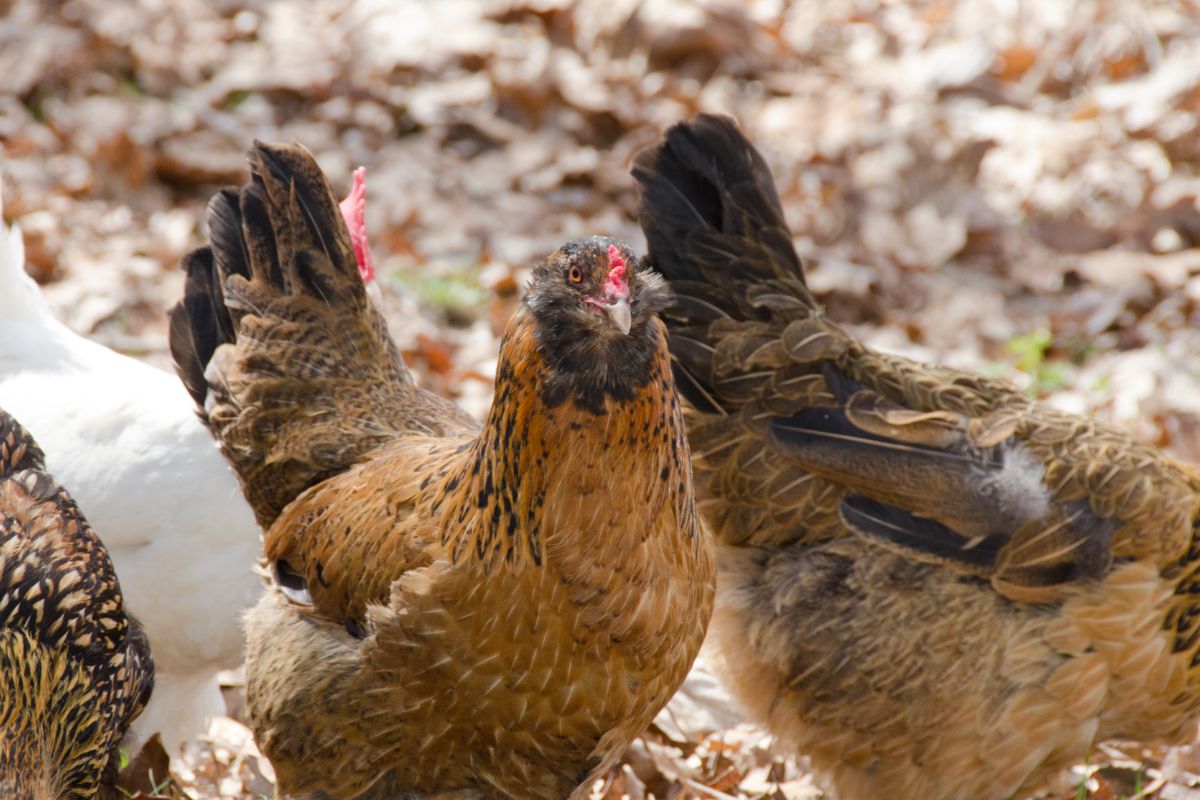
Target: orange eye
{"points": [[575, 275]]}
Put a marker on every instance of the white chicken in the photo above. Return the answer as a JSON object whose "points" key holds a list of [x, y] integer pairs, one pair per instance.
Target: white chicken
{"points": [[124, 438]]}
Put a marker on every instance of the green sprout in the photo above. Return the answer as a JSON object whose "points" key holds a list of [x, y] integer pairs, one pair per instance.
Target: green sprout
{"points": [[1030, 352]]}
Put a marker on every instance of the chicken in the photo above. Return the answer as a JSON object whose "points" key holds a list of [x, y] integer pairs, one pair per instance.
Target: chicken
{"points": [[452, 611], [930, 583], [75, 669], [124, 437]]}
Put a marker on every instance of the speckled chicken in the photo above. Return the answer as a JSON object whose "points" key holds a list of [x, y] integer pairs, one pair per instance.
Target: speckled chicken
{"points": [[931, 584], [490, 612], [74, 668]]}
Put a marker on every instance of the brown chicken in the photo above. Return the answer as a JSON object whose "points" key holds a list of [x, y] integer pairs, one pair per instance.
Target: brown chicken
{"points": [[931, 584], [490, 612], [74, 668]]}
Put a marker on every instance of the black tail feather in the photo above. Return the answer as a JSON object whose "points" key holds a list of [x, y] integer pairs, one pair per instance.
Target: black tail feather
{"points": [[708, 200], [199, 323], [716, 231], [890, 525]]}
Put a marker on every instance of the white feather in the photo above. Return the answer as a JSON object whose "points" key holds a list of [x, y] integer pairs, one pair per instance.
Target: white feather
{"points": [[1020, 486]]}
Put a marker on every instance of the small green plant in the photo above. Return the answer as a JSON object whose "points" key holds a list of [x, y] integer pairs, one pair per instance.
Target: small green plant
{"points": [[1081, 791], [35, 103], [453, 289], [159, 790], [1030, 352], [236, 97], [131, 85]]}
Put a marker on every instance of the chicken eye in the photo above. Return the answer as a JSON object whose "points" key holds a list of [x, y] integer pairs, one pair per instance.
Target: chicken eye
{"points": [[575, 275]]}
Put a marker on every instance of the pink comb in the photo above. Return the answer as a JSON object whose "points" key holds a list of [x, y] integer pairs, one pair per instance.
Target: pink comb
{"points": [[354, 211], [616, 284]]}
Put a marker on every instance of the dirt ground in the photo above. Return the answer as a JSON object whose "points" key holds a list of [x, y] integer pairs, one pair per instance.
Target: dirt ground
{"points": [[1002, 185]]}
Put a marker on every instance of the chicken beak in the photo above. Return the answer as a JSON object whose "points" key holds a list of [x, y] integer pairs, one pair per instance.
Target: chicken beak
{"points": [[618, 311]]}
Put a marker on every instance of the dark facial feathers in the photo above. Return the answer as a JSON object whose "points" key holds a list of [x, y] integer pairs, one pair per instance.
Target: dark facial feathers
{"points": [[590, 359]]}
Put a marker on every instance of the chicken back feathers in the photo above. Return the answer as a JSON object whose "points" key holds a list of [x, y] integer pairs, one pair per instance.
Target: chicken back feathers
{"points": [[74, 668], [930, 583], [496, 610]]}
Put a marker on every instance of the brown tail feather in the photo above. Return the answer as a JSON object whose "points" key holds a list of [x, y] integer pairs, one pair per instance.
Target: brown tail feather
{"points": [[291, 366]]}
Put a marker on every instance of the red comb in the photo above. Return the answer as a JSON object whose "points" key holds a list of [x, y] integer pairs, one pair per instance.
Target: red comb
{"points": [[354, 211], [616, 283]]}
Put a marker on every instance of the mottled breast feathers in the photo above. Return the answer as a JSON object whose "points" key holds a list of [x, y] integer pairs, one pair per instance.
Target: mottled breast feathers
{"points": [[75, 670]]}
